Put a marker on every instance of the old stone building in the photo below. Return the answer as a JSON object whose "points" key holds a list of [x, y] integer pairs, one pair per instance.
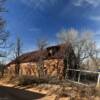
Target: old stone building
{"points": [[52, 61]]}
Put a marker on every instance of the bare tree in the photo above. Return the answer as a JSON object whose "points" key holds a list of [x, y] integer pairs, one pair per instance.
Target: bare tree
{"points": [[82, 45], [42, 44], [3, 33], [2, 67], [17, 52], [95, 58]]}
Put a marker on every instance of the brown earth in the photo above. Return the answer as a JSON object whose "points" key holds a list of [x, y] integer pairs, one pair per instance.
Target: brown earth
{"points": [[45, 92]]}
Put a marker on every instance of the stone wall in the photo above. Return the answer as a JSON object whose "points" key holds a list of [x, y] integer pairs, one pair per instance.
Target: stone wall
{"points": [[53, 67]]}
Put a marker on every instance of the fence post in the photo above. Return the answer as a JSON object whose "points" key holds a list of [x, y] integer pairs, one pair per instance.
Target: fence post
{"points": [[98, 81], [79, 76]]}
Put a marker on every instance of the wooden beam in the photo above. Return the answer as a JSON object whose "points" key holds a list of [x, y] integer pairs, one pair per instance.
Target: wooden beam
{"points": [[85, 71]]}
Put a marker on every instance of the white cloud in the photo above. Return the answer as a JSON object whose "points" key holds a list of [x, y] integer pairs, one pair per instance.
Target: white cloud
{"points": [[94, 3], [97, 33], [40, 4], [94, 18]]}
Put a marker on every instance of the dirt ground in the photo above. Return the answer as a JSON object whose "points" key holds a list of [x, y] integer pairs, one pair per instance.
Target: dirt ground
{"points": [[43, 92]]}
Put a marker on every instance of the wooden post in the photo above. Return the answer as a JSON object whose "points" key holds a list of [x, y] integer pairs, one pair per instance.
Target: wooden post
{"points": [[79, 76], [98, 81]]}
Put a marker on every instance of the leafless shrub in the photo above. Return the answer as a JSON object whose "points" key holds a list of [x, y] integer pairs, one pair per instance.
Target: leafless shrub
{"points": [[41, 44]]}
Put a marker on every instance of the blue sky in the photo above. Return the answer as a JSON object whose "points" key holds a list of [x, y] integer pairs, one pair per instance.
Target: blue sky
{"points": [[34, 19]]}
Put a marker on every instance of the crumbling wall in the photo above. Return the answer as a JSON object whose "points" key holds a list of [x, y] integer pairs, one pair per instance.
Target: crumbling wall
{"points": [[52, 67]]}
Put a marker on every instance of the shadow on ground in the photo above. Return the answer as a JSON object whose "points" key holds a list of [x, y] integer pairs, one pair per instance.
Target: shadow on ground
{"points": [[11, 93]]}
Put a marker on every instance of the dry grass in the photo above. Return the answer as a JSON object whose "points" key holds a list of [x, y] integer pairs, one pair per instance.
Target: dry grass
{"points": [[59, 89]]}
